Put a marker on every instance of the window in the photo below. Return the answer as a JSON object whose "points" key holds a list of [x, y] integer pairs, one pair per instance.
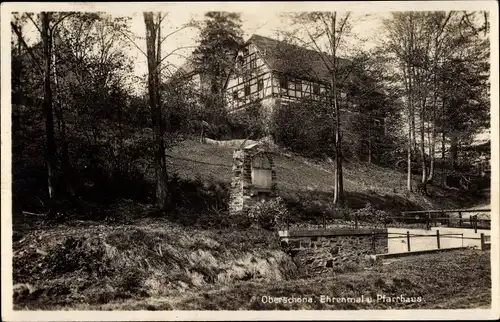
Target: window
{"points": [[235, 95], [316, 89], [298, 86], [283, 82], [260, 84], [247, 90], [253, 63], [241, 59]]}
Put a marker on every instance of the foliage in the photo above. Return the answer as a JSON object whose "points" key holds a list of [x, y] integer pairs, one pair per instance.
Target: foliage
{"points": [[369, 214], [269, 214], [220, 37], [303, 128]]}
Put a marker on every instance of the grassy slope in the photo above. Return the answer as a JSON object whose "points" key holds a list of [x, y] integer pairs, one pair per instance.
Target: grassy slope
{"points": [[96, 263], [299, 177]]}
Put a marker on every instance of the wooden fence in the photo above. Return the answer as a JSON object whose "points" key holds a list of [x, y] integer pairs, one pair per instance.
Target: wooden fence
{"points": [[485, 239], [433, 217]]}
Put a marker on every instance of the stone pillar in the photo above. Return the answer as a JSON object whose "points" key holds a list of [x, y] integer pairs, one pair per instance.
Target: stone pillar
{"points": [[236, 195], [243, 193]]}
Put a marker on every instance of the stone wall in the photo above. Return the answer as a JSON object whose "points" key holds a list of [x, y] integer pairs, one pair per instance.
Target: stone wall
{"points": [[323, 250], [243, 194]]}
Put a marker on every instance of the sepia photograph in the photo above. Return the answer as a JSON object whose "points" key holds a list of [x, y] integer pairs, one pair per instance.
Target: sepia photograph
{"points": [[284, 159]]}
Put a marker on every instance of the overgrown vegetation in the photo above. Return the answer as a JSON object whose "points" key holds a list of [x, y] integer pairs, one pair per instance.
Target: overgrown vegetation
{"points": [[453, 280], [98, 264]]}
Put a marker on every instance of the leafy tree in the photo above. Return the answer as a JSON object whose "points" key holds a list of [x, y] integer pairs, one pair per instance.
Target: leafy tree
{"points": [[220, 39], [47, 24], [426, 45]]}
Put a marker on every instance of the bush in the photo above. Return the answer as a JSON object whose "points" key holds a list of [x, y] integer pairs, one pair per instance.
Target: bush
{"points": [[269, 214], [368, 214], [303, 128]]}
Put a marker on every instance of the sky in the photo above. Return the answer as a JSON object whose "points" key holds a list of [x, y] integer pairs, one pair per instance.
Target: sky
{"points": [[254, 21], [266, 23], [260, 18]]}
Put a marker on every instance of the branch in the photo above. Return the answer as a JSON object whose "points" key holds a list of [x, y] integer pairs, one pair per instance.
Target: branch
{"points": [[28, 49], [342, 26], [327, 30], [174, 32], [176, 49], [130, 39], [320, 52], [61, 20], [34, 23]]}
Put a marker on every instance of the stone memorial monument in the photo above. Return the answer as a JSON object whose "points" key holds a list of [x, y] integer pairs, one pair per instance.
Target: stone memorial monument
{"points": [[254, 177]]}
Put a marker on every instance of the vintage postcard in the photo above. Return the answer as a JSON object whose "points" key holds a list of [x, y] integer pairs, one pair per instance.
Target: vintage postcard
{"points": [[250, 161]]}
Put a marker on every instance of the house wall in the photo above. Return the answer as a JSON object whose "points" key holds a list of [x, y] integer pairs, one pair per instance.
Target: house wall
{"points": [[254, 81]]}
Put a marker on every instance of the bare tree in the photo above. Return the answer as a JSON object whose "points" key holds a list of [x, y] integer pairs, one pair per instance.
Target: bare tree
{"points": [[326, 34], [153, 43]]}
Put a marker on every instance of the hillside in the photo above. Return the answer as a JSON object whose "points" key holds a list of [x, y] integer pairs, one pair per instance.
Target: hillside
{"points": [[301, 179], [154, 263]]}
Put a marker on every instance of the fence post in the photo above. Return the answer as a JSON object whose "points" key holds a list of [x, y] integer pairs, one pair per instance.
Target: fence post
{"points": [[356, 221], [475, 224], [460, 217], [482, 241], [438, 241], [462, 239], [408, 240]]}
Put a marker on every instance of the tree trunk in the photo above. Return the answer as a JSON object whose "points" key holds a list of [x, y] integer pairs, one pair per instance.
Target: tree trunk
{"points": [[370, 150], [407, 81], [453, 150], [62, 127], [369, 142], [162, 197], [408, 159], [432, 149], [339, 193], [47, 106], [432, 145], [413, 131], [422, 143]]}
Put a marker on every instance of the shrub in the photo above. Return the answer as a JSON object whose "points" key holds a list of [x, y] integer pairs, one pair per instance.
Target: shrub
{"points": [[371, 215], [269, 214], [303, 128]]}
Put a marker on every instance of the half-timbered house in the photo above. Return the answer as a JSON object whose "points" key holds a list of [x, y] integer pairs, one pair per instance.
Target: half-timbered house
{"points": [[275, 73]]}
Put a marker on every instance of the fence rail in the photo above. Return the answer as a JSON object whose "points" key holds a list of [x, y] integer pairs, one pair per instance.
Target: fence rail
{"points": [[418, 218], [485, 239], [428, 218]]}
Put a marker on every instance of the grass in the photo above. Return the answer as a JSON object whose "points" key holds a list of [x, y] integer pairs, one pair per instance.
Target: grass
{"points": [[302, 179], [101, 263], [455, 280]]}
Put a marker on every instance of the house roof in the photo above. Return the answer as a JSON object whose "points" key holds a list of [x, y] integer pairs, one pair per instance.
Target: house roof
{"points": [[294, 60], [187, 69], [281, 57]]}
